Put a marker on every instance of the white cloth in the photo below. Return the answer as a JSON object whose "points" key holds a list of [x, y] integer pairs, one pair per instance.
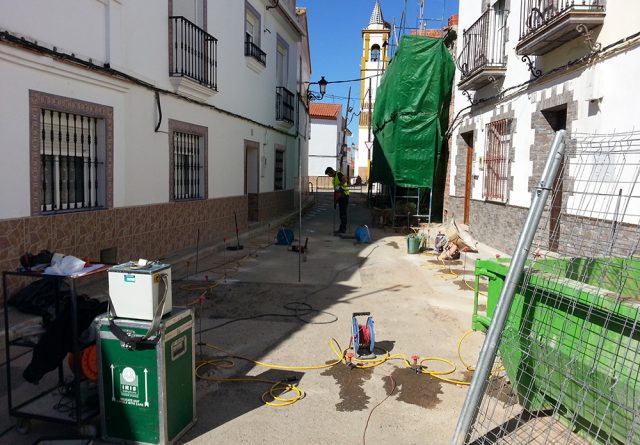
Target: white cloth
{"points": [[68, 265]]}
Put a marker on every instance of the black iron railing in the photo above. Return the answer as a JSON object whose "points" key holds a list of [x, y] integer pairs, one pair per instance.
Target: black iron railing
{"points": [[193, 52], [253, 50], [69, 156], [284, 104], [188, 168], [535, 14], [483, 43]]}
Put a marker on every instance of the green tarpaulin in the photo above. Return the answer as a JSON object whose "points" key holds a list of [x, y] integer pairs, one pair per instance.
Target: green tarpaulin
{"points": [[411, 113]]}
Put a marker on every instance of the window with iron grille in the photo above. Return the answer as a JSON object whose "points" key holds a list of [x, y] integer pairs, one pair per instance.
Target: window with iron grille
{"points": [[496, 160], [71, 161], [279, 171], [188, 166]]}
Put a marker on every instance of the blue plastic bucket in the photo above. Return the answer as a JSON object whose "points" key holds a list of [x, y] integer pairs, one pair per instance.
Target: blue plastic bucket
{"points": [[284, 237]]}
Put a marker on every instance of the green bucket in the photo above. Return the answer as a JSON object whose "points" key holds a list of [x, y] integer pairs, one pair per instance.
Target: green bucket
{"points": [[413, 244]]}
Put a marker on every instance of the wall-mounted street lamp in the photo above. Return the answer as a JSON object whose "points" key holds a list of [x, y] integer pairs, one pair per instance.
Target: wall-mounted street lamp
{"points": [[322, 85]]}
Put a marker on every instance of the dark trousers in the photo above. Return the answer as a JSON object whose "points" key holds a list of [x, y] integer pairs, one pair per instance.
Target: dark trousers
{"points": [[343, 203]]}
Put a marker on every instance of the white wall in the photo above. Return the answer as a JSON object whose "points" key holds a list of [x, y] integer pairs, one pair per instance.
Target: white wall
{"points": [[611, 82], [136, 44], [323, 146]]}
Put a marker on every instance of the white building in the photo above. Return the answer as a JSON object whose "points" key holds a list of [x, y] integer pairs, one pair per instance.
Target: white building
{"points": [[147, 124], [327, 138], [375, 38], [581, 77]]}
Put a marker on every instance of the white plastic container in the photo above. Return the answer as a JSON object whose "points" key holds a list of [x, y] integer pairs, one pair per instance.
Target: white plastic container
{"points": [[136, 291]]}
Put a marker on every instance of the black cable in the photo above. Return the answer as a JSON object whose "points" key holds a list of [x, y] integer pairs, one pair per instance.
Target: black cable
{"points": [[159, 110], [17, 357], [544, 75], [2, 433], [290, 306]]}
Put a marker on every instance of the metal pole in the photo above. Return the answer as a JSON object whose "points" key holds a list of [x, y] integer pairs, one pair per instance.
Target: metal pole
{"points": [[490, 345], [299, 210], [344, 131], [370, 113], [299, 188], [430, 203]]}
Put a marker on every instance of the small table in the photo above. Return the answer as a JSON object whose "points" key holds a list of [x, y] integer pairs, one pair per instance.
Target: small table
{"points": [[32, 409]]}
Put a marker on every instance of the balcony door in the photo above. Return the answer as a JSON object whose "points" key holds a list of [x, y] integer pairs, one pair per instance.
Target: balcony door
{"points": [[468, 178], [557, 120], [192, 10], [252, 178], [282, 63]]}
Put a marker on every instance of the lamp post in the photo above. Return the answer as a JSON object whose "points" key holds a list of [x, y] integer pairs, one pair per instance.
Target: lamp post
{"points": [[322, 84]]}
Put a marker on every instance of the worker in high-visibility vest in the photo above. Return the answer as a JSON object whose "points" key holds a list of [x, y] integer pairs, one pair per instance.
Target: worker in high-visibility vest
{"points": [[340, 196]]}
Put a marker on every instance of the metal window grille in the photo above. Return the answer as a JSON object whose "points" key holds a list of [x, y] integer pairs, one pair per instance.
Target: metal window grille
{"points": [[187, 160], [195, 53], [284, 105], [70, 164], [279, 171], [568, 364], [496, 160]]}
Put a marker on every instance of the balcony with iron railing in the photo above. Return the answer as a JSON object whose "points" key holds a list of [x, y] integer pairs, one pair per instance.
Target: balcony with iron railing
{"points": [[192, 56], [284, 105], [547, 24], [482, 58], [252, 50]]}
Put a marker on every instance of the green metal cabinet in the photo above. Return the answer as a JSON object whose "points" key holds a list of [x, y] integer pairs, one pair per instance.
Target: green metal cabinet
{"points": [[147, 394]]}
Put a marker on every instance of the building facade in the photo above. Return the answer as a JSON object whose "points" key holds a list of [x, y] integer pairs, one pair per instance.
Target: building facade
{"points": [[526, 70], [375, 43], [325, 144], [147, 126]]}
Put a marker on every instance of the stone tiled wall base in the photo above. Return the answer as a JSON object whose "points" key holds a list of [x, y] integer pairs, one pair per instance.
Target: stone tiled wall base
{"points": [[272, 204], [252, 202], [496, 225], [152, 231]]}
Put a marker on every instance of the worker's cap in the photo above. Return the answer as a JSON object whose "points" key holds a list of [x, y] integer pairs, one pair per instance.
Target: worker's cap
{"points": [[329, 170]]}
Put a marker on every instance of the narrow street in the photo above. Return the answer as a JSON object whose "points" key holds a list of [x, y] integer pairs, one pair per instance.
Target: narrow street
{"points": [[256, 307], [416, 312]]}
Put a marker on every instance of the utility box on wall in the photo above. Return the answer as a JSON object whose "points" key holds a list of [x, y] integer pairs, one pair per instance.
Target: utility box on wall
{"points": [[147, 394]]}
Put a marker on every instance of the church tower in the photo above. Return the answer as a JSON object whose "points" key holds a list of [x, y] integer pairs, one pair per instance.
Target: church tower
{"points": [[375, 38]]}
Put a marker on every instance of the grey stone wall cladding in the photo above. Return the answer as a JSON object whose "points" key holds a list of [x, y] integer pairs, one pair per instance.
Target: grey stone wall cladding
{"points": [[495, 224], [544, 134], [498, 226]]}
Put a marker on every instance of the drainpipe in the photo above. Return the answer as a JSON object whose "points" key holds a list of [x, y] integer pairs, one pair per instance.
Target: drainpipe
{"points": [[107, 37]]}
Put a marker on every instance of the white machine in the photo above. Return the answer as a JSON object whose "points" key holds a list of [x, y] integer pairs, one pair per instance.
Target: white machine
{"points": [[140, 290]]}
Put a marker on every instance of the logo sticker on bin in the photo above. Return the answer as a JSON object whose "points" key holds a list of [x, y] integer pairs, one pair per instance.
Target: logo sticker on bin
{"points": [[129, 278], [127, 388]]}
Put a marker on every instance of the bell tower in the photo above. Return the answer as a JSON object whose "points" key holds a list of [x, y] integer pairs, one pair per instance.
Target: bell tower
{"points": [[375, 38]]}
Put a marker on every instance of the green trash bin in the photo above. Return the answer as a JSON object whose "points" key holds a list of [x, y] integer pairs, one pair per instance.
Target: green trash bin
{"points": [[147, 394], [552, 317], [413, 244]]}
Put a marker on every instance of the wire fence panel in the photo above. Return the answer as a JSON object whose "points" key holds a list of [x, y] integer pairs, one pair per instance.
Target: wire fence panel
{"points": [[568, 363]]}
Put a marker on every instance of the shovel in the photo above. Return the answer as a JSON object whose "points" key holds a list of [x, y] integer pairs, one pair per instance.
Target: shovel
{"points": [[238, 246]]}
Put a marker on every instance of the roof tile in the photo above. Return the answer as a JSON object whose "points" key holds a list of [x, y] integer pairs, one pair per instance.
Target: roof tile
{"points": [[324, 111]]}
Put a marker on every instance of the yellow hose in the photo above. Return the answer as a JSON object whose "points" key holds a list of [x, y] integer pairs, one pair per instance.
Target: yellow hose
{"points": [[272, 397]]}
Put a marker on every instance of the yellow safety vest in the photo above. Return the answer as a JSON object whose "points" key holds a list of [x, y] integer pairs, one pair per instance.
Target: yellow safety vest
{"points": [[339, 186]]}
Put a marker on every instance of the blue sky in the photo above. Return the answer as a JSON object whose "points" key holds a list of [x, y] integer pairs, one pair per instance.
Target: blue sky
{"points": [[335, 37]]}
